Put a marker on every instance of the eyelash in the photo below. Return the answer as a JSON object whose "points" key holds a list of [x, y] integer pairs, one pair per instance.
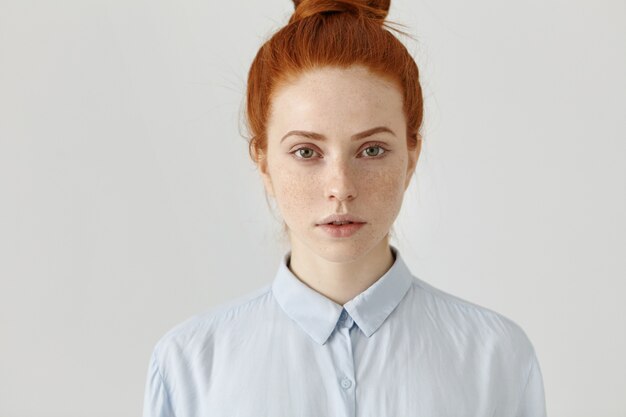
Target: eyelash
{"points": [[371, 145]]}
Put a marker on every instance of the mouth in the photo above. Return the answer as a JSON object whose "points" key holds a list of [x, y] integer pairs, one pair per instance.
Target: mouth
{"points": [[341, 219], [339, 223], [341, 229]]}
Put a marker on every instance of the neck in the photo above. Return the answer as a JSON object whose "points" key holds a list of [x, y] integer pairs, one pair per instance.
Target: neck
{"points": [[340, 278]]}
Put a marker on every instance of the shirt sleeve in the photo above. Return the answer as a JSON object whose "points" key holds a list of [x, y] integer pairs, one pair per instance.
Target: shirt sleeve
{"points": [[532, 402], [156, 401]]}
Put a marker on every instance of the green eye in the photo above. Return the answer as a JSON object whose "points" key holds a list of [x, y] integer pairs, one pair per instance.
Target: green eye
{"points": [[375, 147], [305, 149]]}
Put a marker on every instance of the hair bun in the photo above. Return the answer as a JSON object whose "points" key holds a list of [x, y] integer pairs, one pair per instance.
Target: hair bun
{"points": [[373, 9]]}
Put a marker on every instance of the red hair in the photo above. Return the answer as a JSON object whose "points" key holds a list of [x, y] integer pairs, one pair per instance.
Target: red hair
{"points": [[335, 33]]}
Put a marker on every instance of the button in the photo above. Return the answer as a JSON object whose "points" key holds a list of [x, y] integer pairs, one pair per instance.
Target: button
{"points": [[346, 383], [343, 315]]}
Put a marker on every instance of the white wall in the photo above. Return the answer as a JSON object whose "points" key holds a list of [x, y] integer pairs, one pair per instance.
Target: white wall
{"points": [[127, 199]]}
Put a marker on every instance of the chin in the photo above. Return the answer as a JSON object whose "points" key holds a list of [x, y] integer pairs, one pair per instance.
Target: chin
{"points": [[343, 250]]}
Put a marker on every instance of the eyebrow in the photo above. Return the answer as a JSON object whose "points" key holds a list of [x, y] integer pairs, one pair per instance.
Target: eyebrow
{"points": [[318, 136]]}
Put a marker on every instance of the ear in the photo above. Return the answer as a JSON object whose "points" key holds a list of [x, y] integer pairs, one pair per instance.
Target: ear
{"points": [[413, 157], [265, 175]]}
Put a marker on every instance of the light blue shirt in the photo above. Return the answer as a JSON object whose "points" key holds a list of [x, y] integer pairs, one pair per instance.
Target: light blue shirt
{"points": [[400, 348]]}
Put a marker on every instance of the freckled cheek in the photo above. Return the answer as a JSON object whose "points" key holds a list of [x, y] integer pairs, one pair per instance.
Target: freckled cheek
{"points": [[296, 195], [384, 190]]}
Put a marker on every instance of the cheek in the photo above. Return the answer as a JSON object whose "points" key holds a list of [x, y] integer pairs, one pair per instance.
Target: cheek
{"points": [[383, 189], [296, 194]]}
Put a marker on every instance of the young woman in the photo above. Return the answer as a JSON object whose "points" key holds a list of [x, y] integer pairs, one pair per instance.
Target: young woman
{"points": [[334, 106]]}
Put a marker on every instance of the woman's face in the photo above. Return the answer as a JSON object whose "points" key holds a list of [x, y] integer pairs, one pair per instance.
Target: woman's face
{"points": [[311, 178]]}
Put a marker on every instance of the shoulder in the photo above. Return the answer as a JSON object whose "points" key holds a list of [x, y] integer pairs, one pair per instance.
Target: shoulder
{"points": [[485, 342], [199, 330], [472, 322]]}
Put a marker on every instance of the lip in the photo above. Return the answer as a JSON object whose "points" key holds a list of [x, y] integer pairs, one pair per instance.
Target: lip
{"points": [[347, 217], [341, 231]]}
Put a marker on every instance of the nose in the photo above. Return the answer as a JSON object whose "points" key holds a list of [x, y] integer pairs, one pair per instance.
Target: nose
{"points": [[341, 184]]}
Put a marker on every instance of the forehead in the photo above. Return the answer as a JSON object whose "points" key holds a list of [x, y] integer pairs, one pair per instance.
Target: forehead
{"points": [[329, 97]]}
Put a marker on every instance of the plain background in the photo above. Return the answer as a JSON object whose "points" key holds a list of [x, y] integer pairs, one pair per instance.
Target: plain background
{"points": [[129, 202]]}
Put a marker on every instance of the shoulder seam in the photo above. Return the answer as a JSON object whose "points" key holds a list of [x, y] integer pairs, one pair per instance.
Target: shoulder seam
{"points": [[450, 298], [217, 312], [222, 309]]}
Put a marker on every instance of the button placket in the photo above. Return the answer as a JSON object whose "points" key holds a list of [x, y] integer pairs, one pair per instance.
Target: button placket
{"points": [[345, 372]]}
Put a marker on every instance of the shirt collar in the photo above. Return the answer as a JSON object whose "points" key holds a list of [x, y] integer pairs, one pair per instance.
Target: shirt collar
{"points": [[318, 315]]}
